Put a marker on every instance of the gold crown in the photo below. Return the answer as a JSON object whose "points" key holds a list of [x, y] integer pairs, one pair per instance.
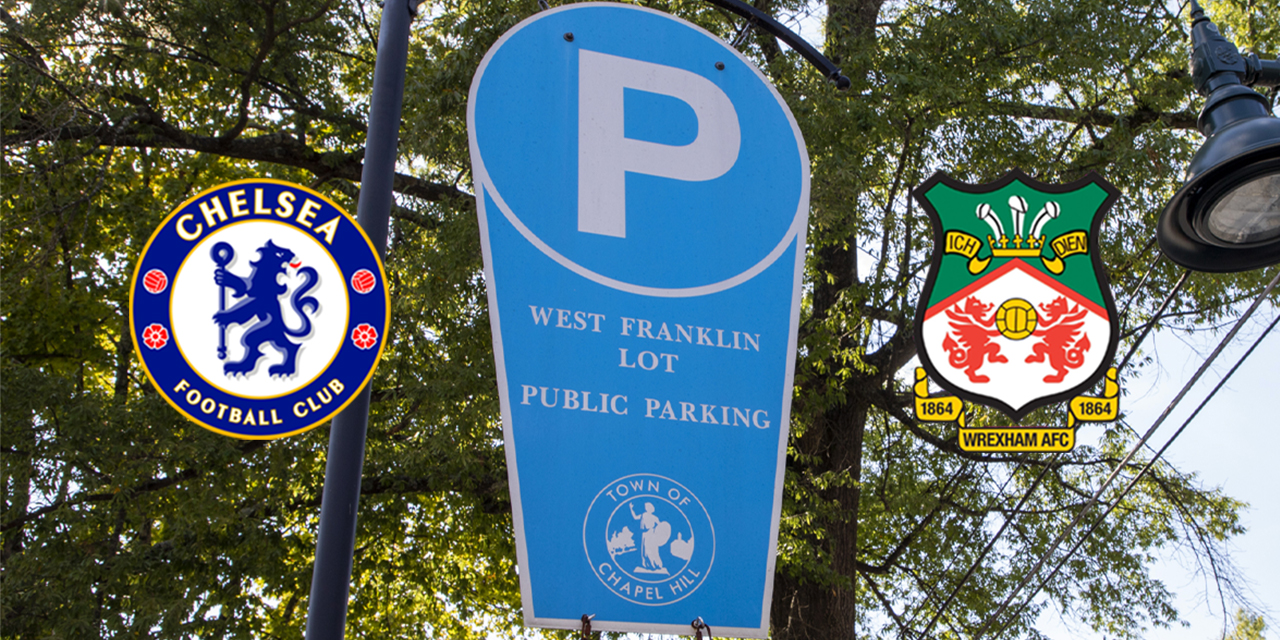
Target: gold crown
{"points": [[1000, 248]]}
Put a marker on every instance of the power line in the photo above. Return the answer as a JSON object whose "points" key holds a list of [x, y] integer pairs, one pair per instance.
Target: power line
{"points": [[987, 549], [1084, 510], [1151, 324], [931, 592], [1050, 463], [1147, 329], [1141, 473]]}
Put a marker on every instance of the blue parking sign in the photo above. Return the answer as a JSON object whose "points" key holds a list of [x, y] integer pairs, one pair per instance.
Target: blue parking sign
{"points": [[642, 193]]}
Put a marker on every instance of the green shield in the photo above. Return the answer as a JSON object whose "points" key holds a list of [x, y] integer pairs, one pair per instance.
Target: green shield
{"points": [[1016, 312]]}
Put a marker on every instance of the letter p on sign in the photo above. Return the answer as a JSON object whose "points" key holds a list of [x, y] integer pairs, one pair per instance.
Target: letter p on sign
{"points": [[642, 153], [605, 154]]}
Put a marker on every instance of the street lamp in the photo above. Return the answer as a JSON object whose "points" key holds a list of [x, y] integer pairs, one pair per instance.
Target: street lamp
{"points": [[1226, 217]]}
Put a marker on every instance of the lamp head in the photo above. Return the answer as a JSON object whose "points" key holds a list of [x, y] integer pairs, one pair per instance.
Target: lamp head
{"points": [[1226, 217]]}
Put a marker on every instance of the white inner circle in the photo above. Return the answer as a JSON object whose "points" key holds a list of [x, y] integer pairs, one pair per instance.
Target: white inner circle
{"points": [[1248, 213], [484, 183], [195, 300]]}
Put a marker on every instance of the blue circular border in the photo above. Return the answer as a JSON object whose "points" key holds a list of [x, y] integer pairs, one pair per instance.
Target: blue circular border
{"points": [[348, 372]]}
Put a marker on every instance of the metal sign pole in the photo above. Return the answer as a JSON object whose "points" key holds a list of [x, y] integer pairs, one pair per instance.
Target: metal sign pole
{"points": [[335, 544]]}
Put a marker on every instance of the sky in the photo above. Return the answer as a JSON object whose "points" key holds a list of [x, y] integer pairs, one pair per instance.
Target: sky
{"points": [[1230, 445]]}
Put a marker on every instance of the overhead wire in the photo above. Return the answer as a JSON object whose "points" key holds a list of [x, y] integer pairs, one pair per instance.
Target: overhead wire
{"points": [[1035, 483], [1093, 500], [987, 548], [1147, 328], [1143, 442], [991, 543], [973, 567], [1142, 472]]}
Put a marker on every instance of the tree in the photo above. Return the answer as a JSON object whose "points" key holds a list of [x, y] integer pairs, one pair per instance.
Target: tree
{"points": [[122, 518], [1247, 626]]}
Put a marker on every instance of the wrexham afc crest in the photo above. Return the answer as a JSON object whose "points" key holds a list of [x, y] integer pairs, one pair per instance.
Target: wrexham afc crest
{"points": [[1016, 312]]}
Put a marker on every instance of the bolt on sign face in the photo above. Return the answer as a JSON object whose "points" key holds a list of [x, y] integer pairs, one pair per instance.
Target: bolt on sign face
{"points": [[259, 309], [1016, 312], [642, 192]]}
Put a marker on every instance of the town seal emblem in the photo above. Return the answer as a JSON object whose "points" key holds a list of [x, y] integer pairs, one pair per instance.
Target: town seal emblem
{"points": [[259, 309], [1016, 312], [649, 539]]}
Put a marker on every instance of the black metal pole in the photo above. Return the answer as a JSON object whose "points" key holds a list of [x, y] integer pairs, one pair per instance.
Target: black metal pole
{"points": [[793, 39], [335, 542]]}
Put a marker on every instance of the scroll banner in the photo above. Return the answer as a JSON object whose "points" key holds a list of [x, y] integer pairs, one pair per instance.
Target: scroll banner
{"points": [[642, 194], [936, 408], [1103, 409], [1017, 439], [1064, 246]]}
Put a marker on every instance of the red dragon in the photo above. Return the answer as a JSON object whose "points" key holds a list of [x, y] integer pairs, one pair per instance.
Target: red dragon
{"points": [[974, 329], [1058, 328]]}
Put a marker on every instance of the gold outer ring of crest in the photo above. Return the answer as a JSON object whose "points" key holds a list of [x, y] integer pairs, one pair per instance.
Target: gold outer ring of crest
{"points": [[133, 287]]}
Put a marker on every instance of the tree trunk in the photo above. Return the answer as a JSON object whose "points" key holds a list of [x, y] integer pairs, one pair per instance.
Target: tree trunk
{"points": [[805, 609], [851, 26]]}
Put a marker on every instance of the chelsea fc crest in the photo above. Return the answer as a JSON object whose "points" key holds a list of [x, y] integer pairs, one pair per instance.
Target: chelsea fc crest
{"points": [[259, 309], [1016, 312]]}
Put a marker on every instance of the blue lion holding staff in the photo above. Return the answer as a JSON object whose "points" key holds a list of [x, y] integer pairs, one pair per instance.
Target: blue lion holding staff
{"points": [[260, 293]]}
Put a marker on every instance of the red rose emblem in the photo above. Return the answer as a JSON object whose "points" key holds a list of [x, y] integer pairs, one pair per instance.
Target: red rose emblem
{"points": [[155, 336], [364, 336]]}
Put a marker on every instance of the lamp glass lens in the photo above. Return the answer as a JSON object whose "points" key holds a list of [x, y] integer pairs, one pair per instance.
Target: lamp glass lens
{"points": [[1248, 213]]}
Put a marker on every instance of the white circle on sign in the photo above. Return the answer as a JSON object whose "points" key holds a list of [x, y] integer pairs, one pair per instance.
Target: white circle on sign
{"points": [[651, 532], [195, 301], [654, 171]]}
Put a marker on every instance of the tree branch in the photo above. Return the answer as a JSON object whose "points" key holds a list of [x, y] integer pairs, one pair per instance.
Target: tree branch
{"points": [[149, 130], [154, 484], [1093, 116]]}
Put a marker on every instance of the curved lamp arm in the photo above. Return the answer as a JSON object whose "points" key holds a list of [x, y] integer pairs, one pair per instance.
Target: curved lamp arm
{"points": [[793, 40]]}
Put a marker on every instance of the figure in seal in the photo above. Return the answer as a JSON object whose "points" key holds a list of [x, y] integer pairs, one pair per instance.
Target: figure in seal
{"points": [[261, 293], [654, 534]]}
